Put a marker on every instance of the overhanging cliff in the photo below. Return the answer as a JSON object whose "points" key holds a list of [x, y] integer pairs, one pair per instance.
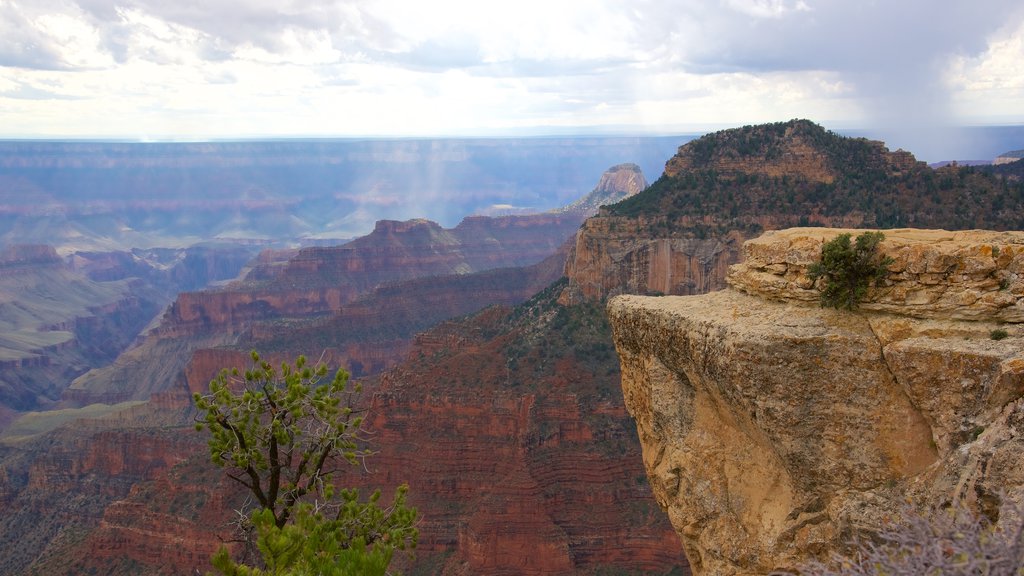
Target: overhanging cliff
{"points": [[774, 430]]}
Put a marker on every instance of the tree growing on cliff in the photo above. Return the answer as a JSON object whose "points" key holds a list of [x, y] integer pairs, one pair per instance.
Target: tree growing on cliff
{"points": [[849, 269], [282, 434]]}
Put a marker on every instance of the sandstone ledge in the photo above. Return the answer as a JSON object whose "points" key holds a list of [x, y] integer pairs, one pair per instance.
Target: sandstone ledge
{"points": [[968, 275], [774, 430]]}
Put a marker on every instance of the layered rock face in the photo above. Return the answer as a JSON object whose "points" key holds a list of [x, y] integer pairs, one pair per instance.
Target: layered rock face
{"points": [[523, 461], [614, 256], [56, 489], [774, 430], [320, 280], [366, 298]]}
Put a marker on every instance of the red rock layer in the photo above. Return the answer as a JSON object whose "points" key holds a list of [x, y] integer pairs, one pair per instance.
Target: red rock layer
{"points": [[518, 467], [231, 312], [520, 459]]}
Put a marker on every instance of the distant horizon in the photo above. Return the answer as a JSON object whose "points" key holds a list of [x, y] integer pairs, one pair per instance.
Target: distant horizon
{"points": [[987, 148], [596, 131]]}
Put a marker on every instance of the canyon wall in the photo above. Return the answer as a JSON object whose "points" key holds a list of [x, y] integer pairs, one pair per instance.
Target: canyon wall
{"points": [[774, 431], [360, 302], [364, 300], [617, 256]]}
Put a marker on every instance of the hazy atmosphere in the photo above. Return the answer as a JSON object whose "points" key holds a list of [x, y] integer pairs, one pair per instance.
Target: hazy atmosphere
{"points": [[150, 69], [659, 287]]}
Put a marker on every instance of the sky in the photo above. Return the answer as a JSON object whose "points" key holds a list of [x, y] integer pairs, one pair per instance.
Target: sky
{"points": [[199, 69]]}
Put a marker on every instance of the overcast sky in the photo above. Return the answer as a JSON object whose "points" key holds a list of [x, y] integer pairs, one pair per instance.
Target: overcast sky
{"points": [[156, 69]]}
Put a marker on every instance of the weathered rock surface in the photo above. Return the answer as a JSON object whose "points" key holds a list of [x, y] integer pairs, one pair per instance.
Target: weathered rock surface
{"points": [[774, 430], [616, 255], [935, 274]]}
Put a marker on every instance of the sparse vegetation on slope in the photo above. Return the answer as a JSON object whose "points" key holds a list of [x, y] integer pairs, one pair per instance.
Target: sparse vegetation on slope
{"points": [[804, 175]]}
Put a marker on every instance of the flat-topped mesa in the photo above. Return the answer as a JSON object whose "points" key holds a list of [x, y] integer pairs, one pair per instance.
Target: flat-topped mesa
{"points": [[774, 430], [935, 274]]}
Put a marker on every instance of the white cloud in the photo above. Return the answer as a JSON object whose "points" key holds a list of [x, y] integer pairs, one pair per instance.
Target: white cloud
{"points": [[78, 40], [766, 8], [993, 82], [348, 67]]}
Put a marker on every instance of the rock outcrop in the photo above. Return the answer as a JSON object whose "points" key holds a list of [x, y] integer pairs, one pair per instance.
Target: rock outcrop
{"points": [[773, 430], [935, 274], [616, 184], [614, 256]]}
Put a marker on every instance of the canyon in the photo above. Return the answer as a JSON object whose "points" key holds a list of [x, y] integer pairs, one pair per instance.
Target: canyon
{"points": [[506, 454], [510, 423], [360, 302], [61, 316], [106, 196], [774, 431]]}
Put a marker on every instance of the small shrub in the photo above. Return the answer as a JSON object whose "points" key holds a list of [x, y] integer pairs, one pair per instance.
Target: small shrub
{"points": [[998, 334], [848, 269]]}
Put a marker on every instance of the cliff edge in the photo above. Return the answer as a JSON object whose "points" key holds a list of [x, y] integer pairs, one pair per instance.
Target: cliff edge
{"points": [[773, 430]]}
